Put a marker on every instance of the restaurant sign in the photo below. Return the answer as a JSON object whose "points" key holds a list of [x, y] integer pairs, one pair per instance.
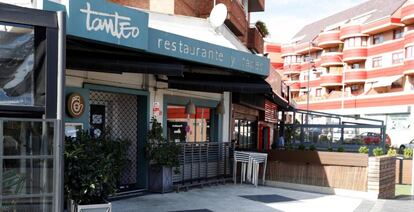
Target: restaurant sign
{"points": [[75, 105], [173, 45], [103, 21]]}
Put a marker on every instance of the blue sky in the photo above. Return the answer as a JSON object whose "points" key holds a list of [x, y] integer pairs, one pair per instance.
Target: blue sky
{"points": [[285, 18]]}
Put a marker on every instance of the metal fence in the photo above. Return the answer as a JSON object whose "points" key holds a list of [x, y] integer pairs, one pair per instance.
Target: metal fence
{"points": [[331, 131], [203, 163]]}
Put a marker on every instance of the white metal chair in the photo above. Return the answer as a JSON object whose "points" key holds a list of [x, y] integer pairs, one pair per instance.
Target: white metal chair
{"points": [[243, 158]]}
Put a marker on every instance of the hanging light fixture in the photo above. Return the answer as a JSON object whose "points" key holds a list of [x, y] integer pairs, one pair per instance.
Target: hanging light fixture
{"points": [[190, 108], [220, 108]]}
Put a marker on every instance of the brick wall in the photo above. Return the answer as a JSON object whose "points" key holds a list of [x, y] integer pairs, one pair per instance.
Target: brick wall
{"points": [[144, 4], [381, 176], [195, 8]]}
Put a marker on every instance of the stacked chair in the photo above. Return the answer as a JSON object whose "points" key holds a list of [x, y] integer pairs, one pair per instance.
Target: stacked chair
{"points": [[250, 164]]}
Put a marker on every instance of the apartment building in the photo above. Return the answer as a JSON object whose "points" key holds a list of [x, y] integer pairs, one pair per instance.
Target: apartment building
{"points": [[357, 62]]}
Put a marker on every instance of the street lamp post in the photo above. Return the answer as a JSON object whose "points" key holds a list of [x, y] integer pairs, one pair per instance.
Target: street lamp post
{"points": [[343, 86]]}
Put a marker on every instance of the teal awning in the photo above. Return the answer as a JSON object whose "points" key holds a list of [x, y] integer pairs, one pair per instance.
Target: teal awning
{"points": [[111, 23]]}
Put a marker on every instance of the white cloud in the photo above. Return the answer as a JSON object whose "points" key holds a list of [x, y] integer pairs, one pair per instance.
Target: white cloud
{"points": [[284, 18]]}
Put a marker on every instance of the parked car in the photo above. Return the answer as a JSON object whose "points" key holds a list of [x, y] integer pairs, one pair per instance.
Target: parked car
{"points": [[371, 138], [349, 134], [407, 145]]}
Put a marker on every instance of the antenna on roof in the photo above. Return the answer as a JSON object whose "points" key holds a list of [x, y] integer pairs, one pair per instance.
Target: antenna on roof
{"points": [[218, 15]]}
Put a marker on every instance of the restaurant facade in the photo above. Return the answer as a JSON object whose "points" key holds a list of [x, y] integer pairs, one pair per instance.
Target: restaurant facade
{"points": [[125, 66]]}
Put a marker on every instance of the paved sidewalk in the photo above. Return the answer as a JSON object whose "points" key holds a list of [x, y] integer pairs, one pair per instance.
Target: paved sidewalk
{"points": [[248, 198]]}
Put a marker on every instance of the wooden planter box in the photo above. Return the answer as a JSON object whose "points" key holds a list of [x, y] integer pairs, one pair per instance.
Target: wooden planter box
{"points": [[326, 169], [160, 179], [403, 171], [319, 157]]}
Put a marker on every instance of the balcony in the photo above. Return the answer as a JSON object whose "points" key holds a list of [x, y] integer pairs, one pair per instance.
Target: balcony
{"points": [[355, 54], [409, 67], [291, 69], [407, 14], [409, 38], [294, 85], [288, 50], [331, 59], [303, 48], [329, 39], [329, 80], [355, 76], [256, 5], [312, 83], [236, 18], [381, 25], [350, 31], [255, 40]]}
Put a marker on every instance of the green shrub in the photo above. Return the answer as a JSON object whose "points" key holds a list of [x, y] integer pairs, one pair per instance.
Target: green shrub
{"points": [[330, 149], [312, 148], [392, 152], [340, 149], [301, 147], [363, 150], [378, 151], [289, 146], [408, 153], [93, 167]]}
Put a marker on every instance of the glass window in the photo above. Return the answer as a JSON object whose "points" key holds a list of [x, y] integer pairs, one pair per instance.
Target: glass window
{"points": [[182, 127], [398, 33], [397, 57], [351, 42], [355, 66], [377, 62], [17, 65], [409, 52], [244, 134], [318, 92], [377, 39], [364, 41]]}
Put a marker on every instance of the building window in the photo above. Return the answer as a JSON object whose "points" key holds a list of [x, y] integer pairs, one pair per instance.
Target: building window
{"points": [[398, 83], [377, 39], [182, 127], [318, 92], [245, 134], [376, 62], [398, 33], [355, 66], [397, 57], [351, 42], [409, 52], [364, 41]]}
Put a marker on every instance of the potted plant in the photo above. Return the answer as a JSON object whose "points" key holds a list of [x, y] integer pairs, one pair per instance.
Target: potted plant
{"points": [[261, 26], [163, 156], [93, 166]]}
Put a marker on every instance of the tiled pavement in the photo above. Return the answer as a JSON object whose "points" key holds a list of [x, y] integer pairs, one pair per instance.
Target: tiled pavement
{"points": [[248, 198]]}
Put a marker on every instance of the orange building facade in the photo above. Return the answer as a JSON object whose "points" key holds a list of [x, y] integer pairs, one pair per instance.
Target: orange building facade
{"points": [[357, 62]]}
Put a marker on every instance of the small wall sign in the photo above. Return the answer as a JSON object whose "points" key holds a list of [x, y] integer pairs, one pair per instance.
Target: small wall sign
{"points": [[75, 105]]}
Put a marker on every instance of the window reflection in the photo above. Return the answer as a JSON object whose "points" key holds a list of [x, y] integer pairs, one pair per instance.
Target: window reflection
{"points": [[244, 134], [16, 65], [182, 127]]}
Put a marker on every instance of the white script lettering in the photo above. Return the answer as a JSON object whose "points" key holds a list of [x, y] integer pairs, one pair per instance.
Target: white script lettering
{"points": [[114, 24]]}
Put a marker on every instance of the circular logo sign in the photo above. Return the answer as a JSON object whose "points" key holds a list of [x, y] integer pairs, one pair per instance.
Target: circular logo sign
{"points": [[75, 105]]}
